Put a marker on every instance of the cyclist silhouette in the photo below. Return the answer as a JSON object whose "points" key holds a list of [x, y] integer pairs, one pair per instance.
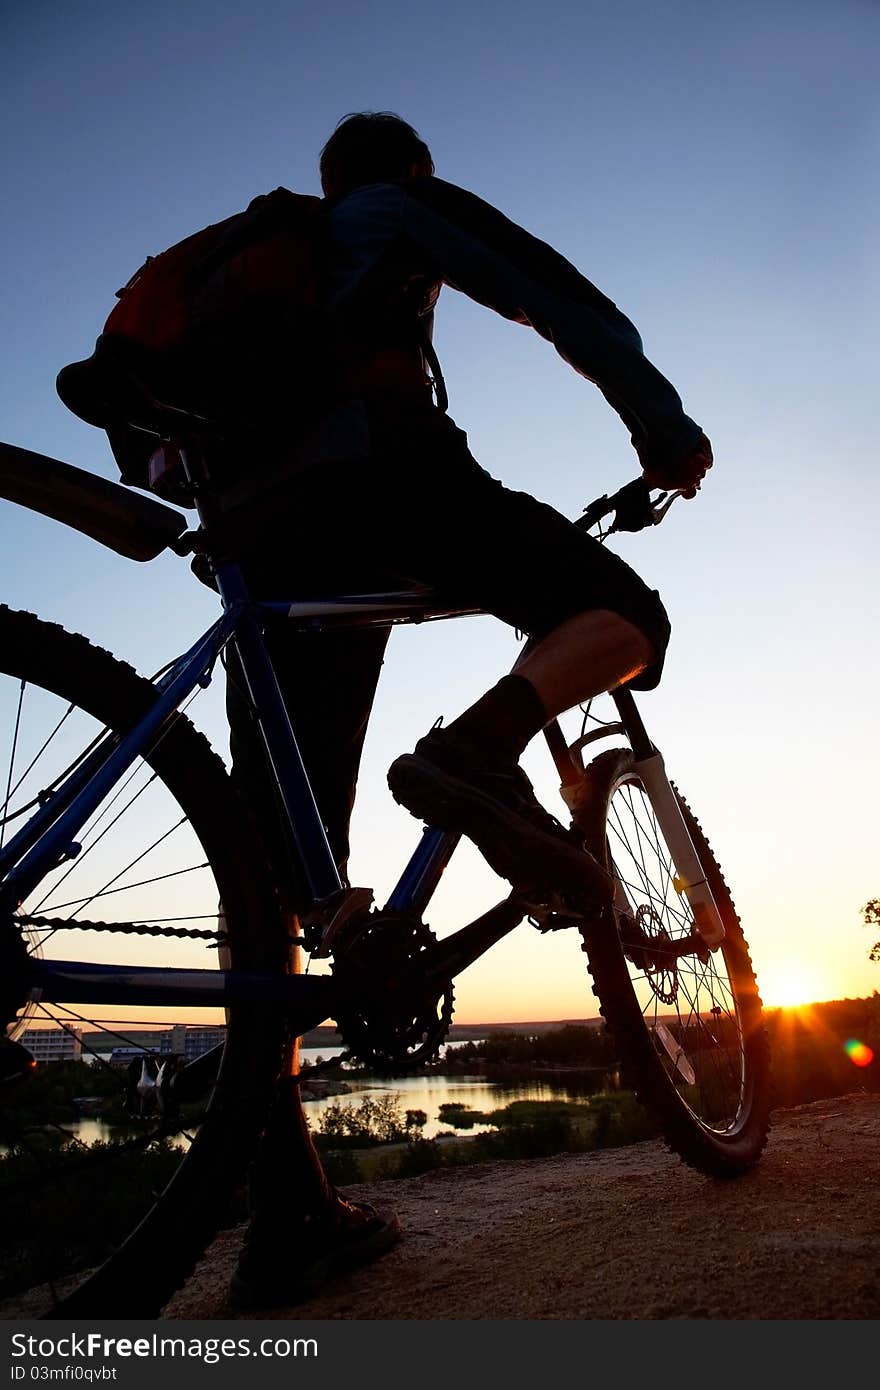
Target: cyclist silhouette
{"points": [[385, 487]]}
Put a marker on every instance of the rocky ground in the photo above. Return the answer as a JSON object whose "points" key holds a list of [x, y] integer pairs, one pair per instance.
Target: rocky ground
{"points": [[624, 1233]]}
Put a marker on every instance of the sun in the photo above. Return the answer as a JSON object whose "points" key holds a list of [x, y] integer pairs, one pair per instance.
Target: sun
{"points": [[789, 987]]}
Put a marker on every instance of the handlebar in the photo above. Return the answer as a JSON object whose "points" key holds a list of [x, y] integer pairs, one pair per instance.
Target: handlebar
{"points": [[634, 508]]}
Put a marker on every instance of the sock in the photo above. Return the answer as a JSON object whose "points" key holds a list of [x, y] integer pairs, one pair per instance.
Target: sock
{"points": [[503, 720]]}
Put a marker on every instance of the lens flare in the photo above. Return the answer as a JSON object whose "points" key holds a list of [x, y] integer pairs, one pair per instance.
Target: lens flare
{"points": [[858, 1052]]}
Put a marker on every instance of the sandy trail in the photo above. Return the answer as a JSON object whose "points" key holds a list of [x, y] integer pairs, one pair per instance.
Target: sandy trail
{"points": [[624, 1233]]}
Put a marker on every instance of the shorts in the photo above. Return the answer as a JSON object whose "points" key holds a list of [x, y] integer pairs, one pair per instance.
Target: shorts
{"points": [[409, 503], [417, 506]]}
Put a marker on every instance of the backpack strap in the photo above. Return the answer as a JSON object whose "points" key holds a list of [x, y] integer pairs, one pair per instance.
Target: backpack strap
{"points": [[432, 360]]}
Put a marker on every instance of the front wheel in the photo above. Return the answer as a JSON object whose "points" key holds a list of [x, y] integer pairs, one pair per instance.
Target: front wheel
{"points": [[687, 1021]]}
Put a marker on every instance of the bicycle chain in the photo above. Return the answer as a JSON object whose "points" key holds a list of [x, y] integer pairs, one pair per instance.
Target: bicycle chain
{"points": [[131, 928]]}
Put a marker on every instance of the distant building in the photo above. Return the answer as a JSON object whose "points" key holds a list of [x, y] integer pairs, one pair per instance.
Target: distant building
{"points": [[191, 1042], [180, 1040], [53, 1044], [121, 1056]]}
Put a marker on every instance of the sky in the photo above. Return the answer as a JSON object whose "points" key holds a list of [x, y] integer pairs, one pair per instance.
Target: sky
{"points": [[713, 170]]}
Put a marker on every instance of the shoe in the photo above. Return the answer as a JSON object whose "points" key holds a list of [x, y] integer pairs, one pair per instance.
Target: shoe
{"points": [[353, 1234], [444, 783]]}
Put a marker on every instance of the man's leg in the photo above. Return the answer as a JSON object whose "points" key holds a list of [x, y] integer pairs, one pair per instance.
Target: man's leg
{"points": [[585, 656], [301, 1230], [594, 624], [466, 776], [328, 681]]}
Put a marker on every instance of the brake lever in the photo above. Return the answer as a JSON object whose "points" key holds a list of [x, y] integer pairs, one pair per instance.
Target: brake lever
{"points": [[633, 508], [660, 506]]}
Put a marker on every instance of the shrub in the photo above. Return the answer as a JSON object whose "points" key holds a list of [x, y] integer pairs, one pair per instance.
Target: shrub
{"points": [[341, 1166], [539, 1139], [619, 1120], [372, 1121], [461, 1116], [527, 1112], [421, 1156]]}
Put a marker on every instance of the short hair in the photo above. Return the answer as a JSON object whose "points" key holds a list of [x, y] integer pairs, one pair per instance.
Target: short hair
{"points": [[371, 147]]}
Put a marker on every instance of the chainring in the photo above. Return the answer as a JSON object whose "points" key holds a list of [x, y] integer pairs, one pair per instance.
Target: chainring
{"points": [[397, 1019]]}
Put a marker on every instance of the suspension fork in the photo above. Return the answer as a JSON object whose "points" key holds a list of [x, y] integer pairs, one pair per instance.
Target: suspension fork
{"points": [[690, 876]]}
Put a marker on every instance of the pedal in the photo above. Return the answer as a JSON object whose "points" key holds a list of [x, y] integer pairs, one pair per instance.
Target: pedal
{"points": [[555, 921], [553, 916]]}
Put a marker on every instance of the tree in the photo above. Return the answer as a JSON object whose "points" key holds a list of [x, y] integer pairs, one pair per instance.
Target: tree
{"points": [[871, 915]]}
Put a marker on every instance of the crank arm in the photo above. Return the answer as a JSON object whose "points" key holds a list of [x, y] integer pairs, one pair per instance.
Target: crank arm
{"points": [[445, 959]]}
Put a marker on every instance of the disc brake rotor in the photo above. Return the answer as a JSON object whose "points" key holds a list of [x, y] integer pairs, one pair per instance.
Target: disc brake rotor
{"points": [[649, 946]]}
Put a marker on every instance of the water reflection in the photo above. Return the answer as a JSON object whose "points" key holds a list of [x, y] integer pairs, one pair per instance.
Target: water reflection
{"points": [[92, 1131], [426, 1093]]}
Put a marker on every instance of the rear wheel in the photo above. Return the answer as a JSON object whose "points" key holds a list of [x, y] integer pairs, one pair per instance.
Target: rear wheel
{"points": [[136, 1200], [687, 1021]]}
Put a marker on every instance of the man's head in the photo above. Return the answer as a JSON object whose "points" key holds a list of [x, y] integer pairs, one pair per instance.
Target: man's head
{"points": [[372, 147]]}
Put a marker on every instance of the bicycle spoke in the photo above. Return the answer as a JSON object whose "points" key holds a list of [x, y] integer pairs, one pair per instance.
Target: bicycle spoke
{"points": [[45, 903], [701, 1008], [142, 883], [12, 753], [154, 860]]}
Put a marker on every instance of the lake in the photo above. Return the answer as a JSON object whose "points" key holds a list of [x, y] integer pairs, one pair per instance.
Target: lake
{"points": [[426, 1093]]}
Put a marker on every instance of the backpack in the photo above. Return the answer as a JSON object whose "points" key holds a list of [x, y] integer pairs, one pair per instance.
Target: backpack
{"points": [[230, 320]]}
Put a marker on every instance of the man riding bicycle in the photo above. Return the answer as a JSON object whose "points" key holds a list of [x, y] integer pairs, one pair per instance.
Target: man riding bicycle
{"points": [[393, 474], [386, 488], [381, 487]]}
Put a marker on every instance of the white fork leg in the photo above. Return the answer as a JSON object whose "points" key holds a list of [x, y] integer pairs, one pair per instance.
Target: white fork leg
{"points": [[690, 879]]}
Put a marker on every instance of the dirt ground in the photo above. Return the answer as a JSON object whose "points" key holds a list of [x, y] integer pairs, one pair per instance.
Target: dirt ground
{"points": [[621, 1234], [625, 1233]]}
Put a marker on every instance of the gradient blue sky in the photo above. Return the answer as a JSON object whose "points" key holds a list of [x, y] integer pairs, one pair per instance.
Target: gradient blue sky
{"points": [[713, 169]]}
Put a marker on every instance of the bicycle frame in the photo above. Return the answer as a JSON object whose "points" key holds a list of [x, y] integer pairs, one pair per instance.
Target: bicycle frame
{"points": [[49, 838]]}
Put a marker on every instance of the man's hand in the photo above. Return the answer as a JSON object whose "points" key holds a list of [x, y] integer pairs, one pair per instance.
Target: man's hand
{"points": [[684, 474]]}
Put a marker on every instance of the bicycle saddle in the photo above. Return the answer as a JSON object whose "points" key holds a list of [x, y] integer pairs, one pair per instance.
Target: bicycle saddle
{"points": [[130, 394]]}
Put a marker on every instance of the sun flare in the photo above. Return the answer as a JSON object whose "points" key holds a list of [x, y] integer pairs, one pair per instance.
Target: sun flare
{"points": [[789, 988]]}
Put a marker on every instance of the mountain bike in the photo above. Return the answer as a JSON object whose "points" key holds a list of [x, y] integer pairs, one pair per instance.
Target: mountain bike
{"points": [[135, 887]]}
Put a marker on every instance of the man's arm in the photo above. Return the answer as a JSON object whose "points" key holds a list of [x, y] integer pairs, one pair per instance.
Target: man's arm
{"points": [[482, 253], [472, 247]]}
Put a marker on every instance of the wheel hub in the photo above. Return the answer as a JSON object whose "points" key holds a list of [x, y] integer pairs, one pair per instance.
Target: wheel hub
{"points": [[647, 943]]}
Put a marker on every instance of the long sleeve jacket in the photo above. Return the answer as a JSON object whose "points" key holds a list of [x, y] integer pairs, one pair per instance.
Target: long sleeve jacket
{"points": [[393, 245]]}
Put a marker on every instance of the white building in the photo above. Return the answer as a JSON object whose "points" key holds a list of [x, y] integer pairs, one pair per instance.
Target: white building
{"points": [[53, 1044], [190, 1042]]}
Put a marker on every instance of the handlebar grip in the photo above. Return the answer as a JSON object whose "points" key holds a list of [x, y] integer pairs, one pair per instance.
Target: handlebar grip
{"points": [[634, 510], [631, 504], [595, 512]]}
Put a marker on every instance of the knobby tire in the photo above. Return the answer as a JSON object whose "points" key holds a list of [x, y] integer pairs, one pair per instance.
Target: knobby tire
{"points": [[720, 1148]]}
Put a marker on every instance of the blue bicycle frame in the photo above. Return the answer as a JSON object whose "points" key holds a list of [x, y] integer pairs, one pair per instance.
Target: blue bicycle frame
{"points": [[49, 837]]}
